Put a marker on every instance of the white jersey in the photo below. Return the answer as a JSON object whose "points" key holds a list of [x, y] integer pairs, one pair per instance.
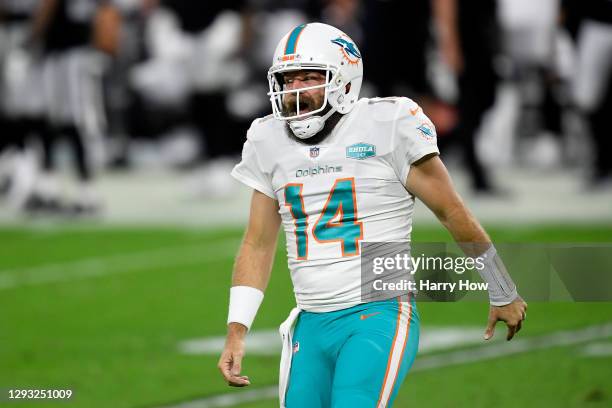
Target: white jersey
{"points": [[337, 194]]}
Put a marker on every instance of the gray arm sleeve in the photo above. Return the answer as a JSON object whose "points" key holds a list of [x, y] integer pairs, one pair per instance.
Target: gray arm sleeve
{"points": [[502, 290]]}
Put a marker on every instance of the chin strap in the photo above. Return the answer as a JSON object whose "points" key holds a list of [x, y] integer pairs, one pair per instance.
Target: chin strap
{"points": [[306, 128]]}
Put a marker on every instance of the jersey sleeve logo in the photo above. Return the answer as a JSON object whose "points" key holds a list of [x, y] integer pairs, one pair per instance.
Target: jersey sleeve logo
{"points": [[426, 130], [360, 151]]}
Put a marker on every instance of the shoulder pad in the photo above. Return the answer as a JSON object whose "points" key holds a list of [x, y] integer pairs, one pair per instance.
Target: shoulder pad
{"points": [[264, 119], [382, 109], [262, 127], [390, 99], [411, 109]]}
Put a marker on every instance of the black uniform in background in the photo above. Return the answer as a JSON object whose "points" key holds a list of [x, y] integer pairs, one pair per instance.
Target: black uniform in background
{"points": [[222, 134], [14, 18], [69, 83], [601, 125], [577, 15], [71, 25], [479, 41], [396, 36]]}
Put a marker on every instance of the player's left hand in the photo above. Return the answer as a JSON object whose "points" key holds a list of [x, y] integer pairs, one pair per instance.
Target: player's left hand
{"points": [[512, 314]]}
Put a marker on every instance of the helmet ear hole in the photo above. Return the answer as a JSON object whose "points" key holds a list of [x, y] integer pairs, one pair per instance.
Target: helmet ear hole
{"points": [[347, 88]]}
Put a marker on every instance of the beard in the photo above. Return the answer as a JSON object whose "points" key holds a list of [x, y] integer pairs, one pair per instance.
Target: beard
{"points": [[309, 104], [328, 127]]}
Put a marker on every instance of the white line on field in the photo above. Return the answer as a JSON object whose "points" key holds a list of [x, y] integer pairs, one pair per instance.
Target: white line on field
{"points": [[268, 342], [117, 264], [503, 349], [597, 350], [481, 353]]}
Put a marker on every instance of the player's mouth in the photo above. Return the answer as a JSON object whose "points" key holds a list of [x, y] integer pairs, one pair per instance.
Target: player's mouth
{"points": [[304, 107]]}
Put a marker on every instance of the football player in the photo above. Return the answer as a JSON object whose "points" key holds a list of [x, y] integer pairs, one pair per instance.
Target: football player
{"points": [[336, 171]]}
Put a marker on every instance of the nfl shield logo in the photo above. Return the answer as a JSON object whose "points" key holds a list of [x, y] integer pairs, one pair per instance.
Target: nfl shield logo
{"points": [[314, 152], [296, 347]]}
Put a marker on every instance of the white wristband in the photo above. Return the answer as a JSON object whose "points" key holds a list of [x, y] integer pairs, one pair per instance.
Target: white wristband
{"points": [[243, 305], [502, 290]]}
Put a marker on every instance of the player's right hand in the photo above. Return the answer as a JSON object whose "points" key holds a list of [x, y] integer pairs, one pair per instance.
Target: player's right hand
{"points": [[230, 362], [512, 314]]}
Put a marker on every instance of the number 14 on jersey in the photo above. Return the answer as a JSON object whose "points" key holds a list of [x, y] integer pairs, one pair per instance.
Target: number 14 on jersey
{"points": [[338, 221]]}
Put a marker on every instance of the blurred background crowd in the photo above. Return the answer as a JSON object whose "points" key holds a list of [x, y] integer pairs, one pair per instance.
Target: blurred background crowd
{"points": [[95, 89]]}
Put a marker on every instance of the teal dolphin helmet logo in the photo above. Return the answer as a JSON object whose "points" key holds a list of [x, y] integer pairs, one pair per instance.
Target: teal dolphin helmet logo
{"points": [[349, 49]]}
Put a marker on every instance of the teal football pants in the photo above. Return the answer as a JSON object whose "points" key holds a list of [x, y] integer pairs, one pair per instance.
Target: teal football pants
{"points": [[353, 358]]}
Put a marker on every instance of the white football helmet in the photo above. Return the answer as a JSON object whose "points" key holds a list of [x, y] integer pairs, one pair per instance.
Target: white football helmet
{"points": [[316, 46]]}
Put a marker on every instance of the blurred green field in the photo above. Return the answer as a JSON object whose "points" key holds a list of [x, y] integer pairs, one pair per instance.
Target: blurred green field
{"points": [[102, 310]]}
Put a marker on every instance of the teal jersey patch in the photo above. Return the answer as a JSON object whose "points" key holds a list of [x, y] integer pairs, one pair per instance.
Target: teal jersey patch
{"points": [[360, 151]]}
